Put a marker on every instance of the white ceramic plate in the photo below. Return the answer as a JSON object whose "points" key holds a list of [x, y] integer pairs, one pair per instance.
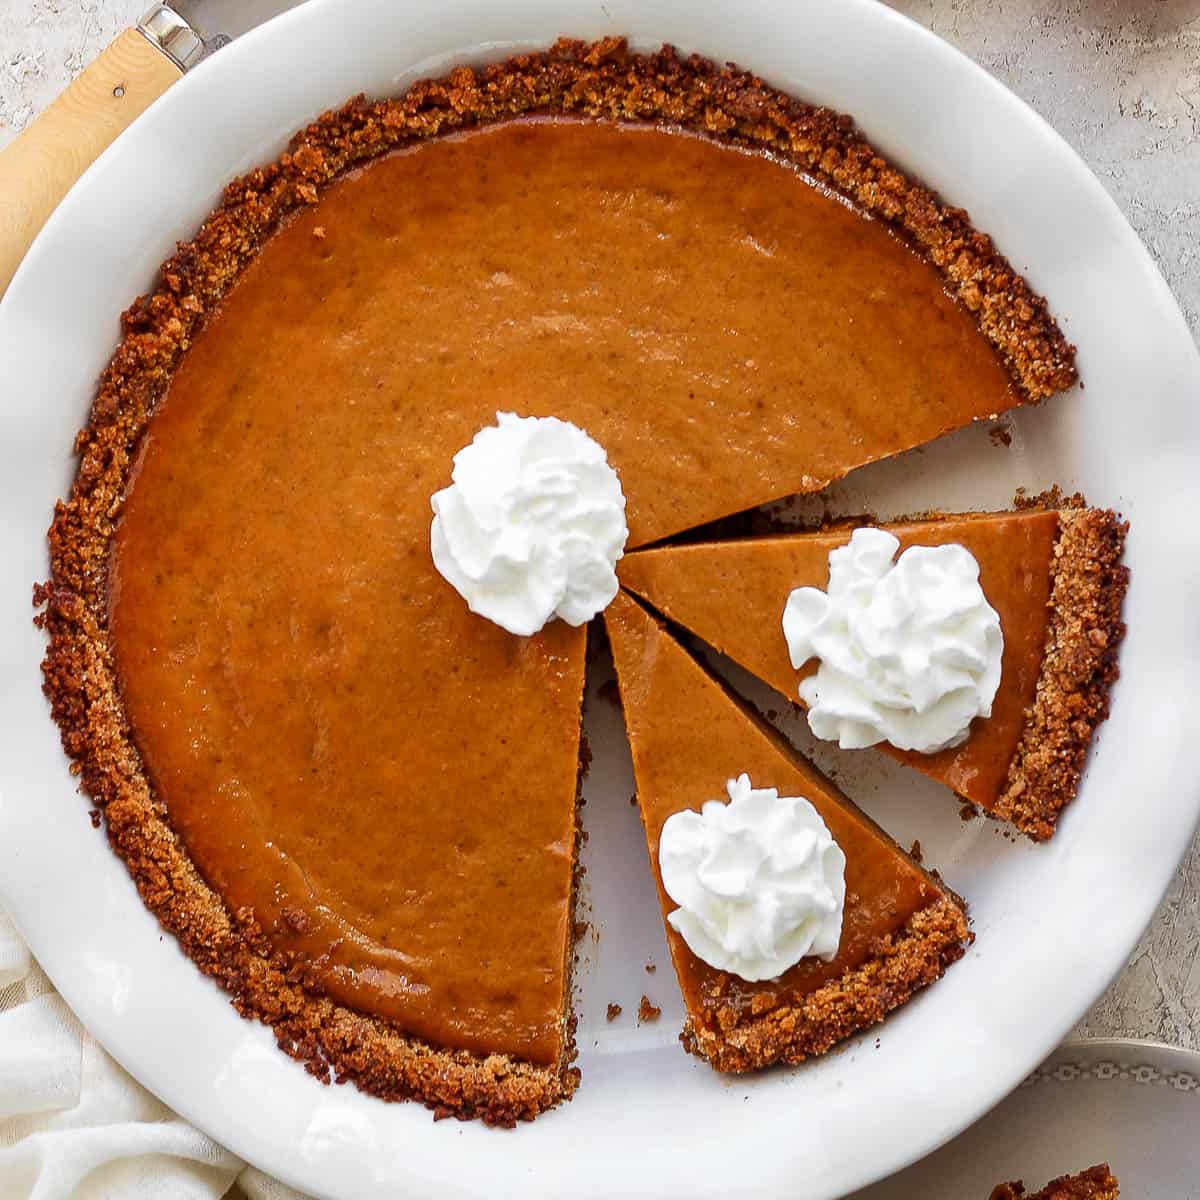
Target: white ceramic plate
{"points": [[1054, 922], [1134, 1105]]}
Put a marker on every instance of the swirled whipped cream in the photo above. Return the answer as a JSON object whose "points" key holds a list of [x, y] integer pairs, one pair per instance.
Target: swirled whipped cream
{"points": [[910, 649], [533, 524], [760, 882]]}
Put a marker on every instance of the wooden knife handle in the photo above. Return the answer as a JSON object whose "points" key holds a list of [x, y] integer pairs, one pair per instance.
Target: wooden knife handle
{"points": [[40, 166]]}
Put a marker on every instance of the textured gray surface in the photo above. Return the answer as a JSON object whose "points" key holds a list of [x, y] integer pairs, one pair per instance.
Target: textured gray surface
{"points": [[1119, 79]]}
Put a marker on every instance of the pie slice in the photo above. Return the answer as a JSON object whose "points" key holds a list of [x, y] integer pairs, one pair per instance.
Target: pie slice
{"points": [[1053, 575], [1096, 1183], [902, 928]]}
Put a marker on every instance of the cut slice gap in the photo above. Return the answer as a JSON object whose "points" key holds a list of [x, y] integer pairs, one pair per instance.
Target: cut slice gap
{"points": [[902, 927], [1053, 575]]}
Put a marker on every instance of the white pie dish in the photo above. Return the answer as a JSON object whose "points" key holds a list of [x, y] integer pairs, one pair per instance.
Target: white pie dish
{"points": [[1054, 922]]}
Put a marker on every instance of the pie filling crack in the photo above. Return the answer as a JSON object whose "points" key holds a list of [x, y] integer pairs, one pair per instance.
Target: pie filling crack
{"points": [[353, 802]]}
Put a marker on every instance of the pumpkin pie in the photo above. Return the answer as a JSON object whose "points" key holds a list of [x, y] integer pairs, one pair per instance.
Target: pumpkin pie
{"points": [[1096, 1183], [901, 927], [1052, 574], [352, 801]]}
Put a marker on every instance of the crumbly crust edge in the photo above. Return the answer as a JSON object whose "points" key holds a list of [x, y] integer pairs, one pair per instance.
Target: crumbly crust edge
{"points": [[1078, 671], [1096, 1183], [602, 80], [902, 963]]}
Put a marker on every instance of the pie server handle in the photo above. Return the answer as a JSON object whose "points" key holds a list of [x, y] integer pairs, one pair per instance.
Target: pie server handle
{"points": [[40, 166]]}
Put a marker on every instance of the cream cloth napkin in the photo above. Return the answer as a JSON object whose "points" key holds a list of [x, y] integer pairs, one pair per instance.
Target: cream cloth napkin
{"points": [[75, 1126]]}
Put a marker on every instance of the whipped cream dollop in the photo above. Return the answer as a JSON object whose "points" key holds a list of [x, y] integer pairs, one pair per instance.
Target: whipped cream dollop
{"points": [[760, 882], [910, 649], [533, 524]]}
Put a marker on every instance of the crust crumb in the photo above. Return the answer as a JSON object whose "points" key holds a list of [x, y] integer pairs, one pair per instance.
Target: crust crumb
{"points": [[1000, 434], [1096, 1183], [647, 1012]]}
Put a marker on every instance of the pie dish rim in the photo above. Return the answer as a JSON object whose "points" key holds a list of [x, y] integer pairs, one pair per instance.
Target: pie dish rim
{"points": [[1172, 363]]}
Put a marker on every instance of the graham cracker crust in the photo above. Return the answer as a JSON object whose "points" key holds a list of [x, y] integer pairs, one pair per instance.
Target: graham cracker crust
{"points": [[601, 80], [1078, 671], [900, 965], [1096, 1183]]}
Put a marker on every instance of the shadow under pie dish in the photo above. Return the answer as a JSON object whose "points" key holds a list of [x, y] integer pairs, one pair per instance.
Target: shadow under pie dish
{"points": [[275, 664]]}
